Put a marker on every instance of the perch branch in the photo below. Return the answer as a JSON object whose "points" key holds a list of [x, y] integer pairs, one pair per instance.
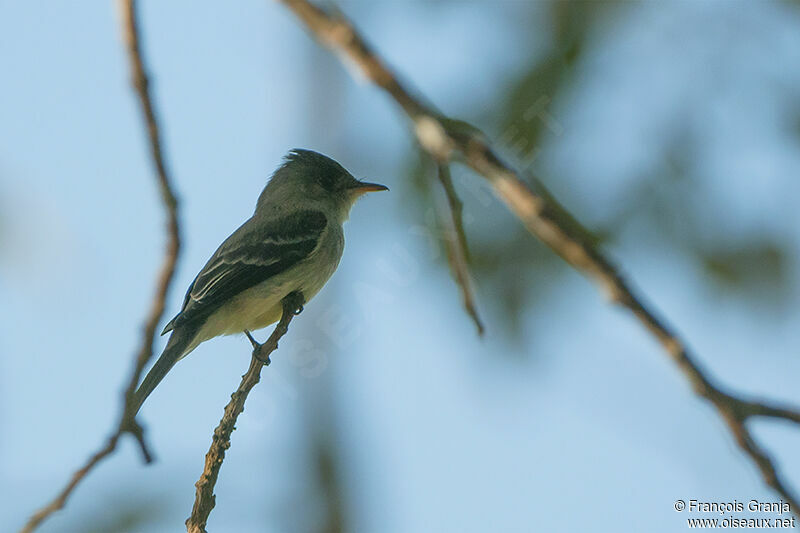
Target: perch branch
{"points": [[456, 244], [446, 139], [127, 422], [204, 499]]}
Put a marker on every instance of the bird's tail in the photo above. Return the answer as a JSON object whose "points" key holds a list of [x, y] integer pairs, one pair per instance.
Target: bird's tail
{"points": [[177, 346]]}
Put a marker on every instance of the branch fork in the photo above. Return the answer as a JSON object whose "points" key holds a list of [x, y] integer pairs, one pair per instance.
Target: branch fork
{"points": [[204, 500]]}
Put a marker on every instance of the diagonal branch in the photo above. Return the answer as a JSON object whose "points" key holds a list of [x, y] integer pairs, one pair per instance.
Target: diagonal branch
{"points": [[205, 500], [456, 243], [446, 139], [127, 422]]}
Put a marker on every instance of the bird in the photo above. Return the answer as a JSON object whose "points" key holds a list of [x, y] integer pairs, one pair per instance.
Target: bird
{"points": [[292, 243]]}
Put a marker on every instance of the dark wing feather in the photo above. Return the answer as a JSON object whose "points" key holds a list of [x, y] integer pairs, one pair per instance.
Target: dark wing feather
{"points": [[171, 324], [252, 254]]}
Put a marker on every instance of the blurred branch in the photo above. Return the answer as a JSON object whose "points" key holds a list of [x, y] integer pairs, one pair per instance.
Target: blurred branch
{"points": [[127, 422], [204, 500], [330, 486], [456, 242], [327, 488], [446, 139]]}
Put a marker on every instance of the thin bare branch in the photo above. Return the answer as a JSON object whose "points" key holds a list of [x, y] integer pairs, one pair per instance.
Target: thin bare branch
{"points": [[141, 84], [456, 245], [127, 422], [446, 139], [58, 503], [204, 500]]}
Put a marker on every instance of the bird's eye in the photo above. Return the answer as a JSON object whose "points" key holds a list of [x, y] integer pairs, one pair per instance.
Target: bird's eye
{"points": [[327, 182], [331, 182]]}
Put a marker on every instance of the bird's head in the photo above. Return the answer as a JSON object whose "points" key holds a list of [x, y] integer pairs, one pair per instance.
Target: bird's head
{"points": [[312, 179]]}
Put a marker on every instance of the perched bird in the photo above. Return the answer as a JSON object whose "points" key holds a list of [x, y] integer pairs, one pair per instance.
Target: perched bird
{"points": [[293, 242]]}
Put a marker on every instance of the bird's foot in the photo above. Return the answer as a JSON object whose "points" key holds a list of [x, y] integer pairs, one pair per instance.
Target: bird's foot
{"points": [[257, 349], [294, 301], [291, 303], [263, 360]]}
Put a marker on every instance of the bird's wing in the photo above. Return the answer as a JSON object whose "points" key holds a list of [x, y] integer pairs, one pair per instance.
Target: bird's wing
{"points": [[252, 254]]}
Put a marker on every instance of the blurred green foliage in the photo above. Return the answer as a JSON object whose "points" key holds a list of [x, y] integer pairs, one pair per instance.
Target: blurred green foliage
{"points": [[516, 273]]}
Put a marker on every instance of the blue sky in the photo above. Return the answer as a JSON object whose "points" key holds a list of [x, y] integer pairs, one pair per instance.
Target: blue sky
{"points": [[597, 431]]}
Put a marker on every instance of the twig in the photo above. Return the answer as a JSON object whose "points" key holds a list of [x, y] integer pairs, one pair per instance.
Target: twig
{"points": [[140, 83], [204, 499], [457, 250], [446, 139], [127, 422]]}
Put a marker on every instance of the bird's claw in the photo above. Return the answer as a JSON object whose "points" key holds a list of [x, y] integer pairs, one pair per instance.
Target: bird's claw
{"points": [[257, 349], [293, 302], [257, 355]]}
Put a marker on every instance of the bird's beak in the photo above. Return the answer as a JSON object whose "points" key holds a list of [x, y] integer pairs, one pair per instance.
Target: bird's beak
{"points": [[364, 186]]}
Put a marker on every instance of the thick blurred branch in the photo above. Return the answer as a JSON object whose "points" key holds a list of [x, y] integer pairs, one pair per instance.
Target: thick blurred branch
{"points": [[446, 140], [127, 422], [456, 244], [205, 500]]}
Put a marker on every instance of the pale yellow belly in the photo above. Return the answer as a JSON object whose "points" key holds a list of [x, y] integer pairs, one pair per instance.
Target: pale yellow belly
{"points": [[244, 313]]}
